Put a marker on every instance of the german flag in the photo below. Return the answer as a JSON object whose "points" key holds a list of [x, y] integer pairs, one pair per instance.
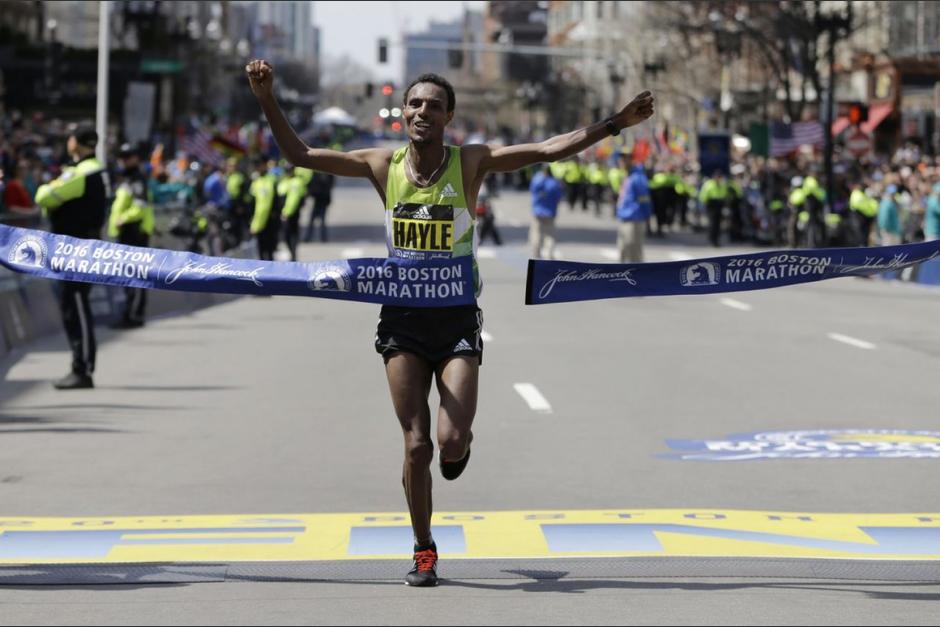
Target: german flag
{"points": [[228, 147]]}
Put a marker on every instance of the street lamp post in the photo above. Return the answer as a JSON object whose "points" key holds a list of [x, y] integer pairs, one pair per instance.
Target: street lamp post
{"points": [[101, 106], [728, 44], [50, 77]]}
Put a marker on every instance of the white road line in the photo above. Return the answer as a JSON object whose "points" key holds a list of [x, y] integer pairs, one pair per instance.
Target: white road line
{"points": [[352, 253], [486, 253], [486, 336], [851, 341], [735, 304], [677, 255], [531, 395]]}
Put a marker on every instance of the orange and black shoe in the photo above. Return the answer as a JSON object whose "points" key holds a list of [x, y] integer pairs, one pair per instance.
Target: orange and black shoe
{"points": [[424, 573]]}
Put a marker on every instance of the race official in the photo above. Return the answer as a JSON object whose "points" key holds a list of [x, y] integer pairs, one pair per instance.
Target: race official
{"points": [[75, 204]]}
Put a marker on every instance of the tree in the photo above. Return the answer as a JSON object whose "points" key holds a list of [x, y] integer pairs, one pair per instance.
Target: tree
{"points": [[790, 38]]}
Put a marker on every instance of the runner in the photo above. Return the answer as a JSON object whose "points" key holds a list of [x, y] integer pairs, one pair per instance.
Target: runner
{"points": [[429, 191]]}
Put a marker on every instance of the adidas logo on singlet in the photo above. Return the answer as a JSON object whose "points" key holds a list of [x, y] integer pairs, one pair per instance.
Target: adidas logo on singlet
{"points": [[448, 191], [422, 214], [462, 345]]}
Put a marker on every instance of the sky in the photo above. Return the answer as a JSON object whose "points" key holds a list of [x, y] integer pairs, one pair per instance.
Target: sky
{"points": [[354, 28]]}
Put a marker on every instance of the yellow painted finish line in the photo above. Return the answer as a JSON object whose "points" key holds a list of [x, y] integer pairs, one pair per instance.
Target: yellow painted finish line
{"points": [[471, 535]]}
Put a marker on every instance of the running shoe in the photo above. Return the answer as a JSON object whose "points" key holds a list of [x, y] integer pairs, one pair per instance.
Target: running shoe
{"points": [[452, 470], [424, 573]]}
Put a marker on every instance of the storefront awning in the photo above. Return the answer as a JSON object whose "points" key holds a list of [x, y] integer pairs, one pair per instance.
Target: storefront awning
{"points": [[840, 125], [876, 115]]}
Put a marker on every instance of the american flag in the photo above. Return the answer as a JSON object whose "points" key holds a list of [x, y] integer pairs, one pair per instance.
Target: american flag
{"points": [[785, 138], [198, 145]]}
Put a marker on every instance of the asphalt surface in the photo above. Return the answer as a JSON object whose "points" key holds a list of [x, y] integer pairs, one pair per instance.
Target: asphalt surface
{"points": [[278, 405]]}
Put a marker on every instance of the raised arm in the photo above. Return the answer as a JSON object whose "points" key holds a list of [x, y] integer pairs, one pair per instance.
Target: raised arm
{"points": [[367, 163], [508, 158]]}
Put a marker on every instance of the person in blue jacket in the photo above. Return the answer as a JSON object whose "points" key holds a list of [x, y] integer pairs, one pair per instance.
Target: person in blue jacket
{"points": [[547, 192], [634, 208]]}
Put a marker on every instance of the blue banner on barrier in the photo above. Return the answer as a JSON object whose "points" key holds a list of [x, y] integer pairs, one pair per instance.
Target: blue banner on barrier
{"points": [[567, 281], [431, 283]]}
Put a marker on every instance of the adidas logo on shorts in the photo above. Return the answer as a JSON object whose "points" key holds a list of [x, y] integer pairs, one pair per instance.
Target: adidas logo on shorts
{"points": [[462, 345], [448, 191]]}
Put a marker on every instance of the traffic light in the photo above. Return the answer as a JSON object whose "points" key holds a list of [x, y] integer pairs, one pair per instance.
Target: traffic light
{"points": [[858, 113], [387, 89], [383, 50], [370, 90], [455, 59]]}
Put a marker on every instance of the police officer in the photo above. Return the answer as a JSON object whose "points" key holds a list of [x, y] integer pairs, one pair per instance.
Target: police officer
{"points": [[574, 183], [615, 178], [596, 183], [131, 223], [265, 222], [864, 210], [291, 192], [814, 200], [796, 201], [236, 184], [75, 205], [714, 195], [662, 190]]}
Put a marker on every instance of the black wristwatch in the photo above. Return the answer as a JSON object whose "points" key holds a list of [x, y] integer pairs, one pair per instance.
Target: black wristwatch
{"points": [[611, 127]]}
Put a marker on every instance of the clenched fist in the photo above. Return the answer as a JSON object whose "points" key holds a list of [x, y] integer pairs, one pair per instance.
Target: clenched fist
{"points": [[260, 77], [639, 110]]}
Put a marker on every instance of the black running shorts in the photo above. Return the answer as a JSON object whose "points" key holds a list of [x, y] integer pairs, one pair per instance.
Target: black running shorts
{"points": [[435, 333]]}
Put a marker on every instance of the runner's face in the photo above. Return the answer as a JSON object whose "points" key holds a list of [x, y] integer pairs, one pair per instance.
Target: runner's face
{"points": [[426, 113]]}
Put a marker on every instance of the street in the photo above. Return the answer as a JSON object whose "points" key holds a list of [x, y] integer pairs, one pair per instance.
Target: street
{"points": [[274, 412]]}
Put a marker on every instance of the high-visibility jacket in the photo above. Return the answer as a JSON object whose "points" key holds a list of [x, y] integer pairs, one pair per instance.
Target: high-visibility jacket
{"points": [[797, 197], [615, 178], [862, 203], [574, 173], [76, 201], [713, 190], [293, 189], [597, 174], [812, 188], [263, 191], [558, 168], [132, 204]]}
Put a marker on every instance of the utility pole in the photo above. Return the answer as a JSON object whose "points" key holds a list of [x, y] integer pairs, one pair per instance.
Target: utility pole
{"points": [[104, 49], [836, 25]]}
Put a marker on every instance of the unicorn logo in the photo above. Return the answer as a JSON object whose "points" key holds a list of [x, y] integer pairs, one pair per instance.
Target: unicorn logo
{"points": [[330, 280], [699, 274], [29, 252]]}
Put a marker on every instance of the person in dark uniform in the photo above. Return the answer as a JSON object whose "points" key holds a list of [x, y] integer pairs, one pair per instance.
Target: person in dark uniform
{"points": [[321, 189], [131, 223], [75, 205]]}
